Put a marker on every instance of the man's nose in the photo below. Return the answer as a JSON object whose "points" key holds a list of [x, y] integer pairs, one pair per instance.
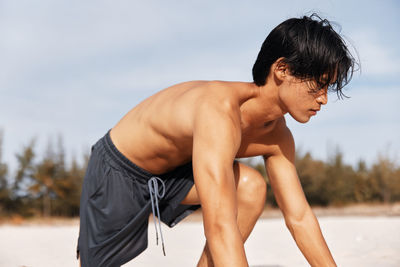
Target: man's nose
{"points": [[322, 98]]}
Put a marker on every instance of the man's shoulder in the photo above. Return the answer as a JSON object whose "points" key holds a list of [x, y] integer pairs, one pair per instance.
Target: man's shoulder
{"points": [[218, 96]]}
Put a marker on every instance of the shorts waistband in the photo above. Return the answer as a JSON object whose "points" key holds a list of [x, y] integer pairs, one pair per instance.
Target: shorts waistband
{"points": [[120, 159]]}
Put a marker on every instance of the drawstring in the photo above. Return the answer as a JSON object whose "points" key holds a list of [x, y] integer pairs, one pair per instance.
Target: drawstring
{"points": [[154, 195]]}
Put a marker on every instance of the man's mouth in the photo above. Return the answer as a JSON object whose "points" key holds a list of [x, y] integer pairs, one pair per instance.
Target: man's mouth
{"points": [[314, 111]]}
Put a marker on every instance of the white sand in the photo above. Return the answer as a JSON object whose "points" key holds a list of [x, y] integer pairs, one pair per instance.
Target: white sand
{"points": [[354, 241]]}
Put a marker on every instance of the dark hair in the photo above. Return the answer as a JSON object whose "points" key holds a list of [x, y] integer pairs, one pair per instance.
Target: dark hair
{"points": [[311, 48]]}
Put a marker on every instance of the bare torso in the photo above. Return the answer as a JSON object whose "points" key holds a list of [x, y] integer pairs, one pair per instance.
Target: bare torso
{"points": [[157, 134]]}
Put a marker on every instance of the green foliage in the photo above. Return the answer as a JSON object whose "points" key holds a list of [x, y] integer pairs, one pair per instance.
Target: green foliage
{"points": [[336, 183], [312, 177], [339, 182], [385, 180], [4, 190], [44, 187]]}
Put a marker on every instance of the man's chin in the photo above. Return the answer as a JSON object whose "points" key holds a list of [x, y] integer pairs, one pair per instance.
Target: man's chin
{"points": [[301, 119]]}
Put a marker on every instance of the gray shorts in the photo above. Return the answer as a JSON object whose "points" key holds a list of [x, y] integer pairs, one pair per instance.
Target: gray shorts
{"points": [[116, 203]]}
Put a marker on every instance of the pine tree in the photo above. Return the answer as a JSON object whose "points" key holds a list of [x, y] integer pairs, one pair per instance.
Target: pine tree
{"points": [[4, 190]]}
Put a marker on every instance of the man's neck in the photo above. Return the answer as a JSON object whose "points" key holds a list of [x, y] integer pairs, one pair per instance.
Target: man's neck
{"points": [[265, 106]]}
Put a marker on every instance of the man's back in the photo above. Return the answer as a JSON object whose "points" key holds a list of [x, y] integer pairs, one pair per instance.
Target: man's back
{"points": [[157, 134]]}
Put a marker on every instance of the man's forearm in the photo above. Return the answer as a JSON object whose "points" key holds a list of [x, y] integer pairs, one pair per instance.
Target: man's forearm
{"points": [[226, 246], [308, 236]]}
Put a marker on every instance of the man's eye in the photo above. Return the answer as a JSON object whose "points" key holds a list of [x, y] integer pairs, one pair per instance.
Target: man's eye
{"points": [[314, 90]]}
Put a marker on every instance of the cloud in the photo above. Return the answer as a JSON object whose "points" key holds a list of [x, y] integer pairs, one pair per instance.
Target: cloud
{"points": [[76, 67], [377, 59]]}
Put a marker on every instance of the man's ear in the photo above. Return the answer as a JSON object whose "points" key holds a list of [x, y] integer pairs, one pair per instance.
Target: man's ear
{"points": [[280, 69]]}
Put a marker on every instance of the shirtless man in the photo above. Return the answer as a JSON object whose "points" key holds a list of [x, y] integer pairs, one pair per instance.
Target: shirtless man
{"points": [[176, 150]]}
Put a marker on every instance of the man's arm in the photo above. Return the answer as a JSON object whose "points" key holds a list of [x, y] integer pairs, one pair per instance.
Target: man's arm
{"points": [[299, 217], [216, 139]]}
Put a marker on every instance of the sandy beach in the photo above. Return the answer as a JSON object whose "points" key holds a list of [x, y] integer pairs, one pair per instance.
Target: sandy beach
{"points": [[354, 241]]}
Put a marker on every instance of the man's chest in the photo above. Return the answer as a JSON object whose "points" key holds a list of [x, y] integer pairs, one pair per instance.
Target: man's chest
{"points": [[256, 140]]}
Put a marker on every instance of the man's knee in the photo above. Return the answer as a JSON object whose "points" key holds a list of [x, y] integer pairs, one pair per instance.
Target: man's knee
{"points": [[252, 188]]}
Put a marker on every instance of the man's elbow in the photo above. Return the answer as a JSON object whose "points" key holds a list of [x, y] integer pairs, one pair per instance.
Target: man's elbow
{"points": [[298, 219], [218, 227]]}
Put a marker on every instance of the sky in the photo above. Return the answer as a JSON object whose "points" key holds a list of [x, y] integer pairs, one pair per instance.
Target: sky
{"points": [[74, 68]]}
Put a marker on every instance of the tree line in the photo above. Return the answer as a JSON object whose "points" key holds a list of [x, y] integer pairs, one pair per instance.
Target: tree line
{"points": [[48, 186], [333, 182], [43, 186]]}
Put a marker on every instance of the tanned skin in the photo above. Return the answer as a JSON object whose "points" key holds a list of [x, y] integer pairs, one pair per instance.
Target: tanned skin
{"points": [[213, 122]]}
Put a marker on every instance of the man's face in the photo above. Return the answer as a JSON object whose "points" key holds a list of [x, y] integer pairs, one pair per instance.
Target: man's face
{"points": [[302, 99]]}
